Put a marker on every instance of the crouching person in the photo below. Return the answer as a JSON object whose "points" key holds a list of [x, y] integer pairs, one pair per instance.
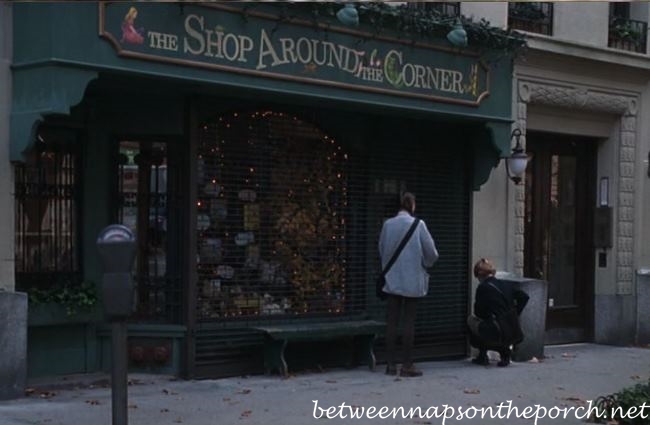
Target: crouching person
{"points": [[495, 322]]}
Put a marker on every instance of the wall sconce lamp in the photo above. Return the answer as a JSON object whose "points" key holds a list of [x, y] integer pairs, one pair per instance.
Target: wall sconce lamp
{"points": [[517, 161], [348, 15], [457, 36]]}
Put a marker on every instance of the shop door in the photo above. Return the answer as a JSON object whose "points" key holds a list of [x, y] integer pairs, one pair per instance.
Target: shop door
{"points": [[560, 192], [148, 202]]}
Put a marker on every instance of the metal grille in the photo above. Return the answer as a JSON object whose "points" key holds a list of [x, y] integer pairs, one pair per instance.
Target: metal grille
{"points": [[46, 214], [444, 8], [271, 220], [146, 204], [260, 158], [534, 17], [628, 34]]}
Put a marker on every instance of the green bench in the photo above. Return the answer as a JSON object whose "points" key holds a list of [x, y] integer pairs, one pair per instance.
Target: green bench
{"points": [[277, 336]]}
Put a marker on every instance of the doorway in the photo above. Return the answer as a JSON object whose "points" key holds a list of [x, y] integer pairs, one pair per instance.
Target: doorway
{"points": [[560, 199]]}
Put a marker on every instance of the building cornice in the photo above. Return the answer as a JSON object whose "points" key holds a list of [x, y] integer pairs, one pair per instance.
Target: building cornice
{"points": [[550, 44]]}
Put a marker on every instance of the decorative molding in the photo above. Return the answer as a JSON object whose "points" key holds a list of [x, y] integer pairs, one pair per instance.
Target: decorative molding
{"points": [[590, 99], [576, 98]]}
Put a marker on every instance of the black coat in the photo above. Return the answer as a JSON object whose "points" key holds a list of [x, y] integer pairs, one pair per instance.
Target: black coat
{"points": [[488, 303]]}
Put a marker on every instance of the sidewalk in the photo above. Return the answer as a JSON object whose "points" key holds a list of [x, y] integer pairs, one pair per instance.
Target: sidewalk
{"points": [[569, 376]]}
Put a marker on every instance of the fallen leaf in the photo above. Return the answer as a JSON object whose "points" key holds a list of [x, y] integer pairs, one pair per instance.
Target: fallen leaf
{"points": [[635, 377], [576, 400], [472, 391], [226, 399], [169, 392], [178, 420], [246, 413], [47, 394], [330, 381], [568, 355], [93, 402], [245, 391], [164, 410], [132, 406], [29, 391], [560, 388]]}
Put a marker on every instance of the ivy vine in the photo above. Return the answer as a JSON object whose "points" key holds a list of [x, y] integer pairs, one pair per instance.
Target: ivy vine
{"points": [[427, 24]]}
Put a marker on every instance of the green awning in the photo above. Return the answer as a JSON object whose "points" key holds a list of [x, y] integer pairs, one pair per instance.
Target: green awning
{"points": [[38, 92]]}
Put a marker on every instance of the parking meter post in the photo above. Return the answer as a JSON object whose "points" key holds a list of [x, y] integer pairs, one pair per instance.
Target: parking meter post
{"points": [[119, 374], [116, 246]]}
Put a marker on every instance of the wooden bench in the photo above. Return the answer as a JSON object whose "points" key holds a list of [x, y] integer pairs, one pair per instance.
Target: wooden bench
{"points": [[277, 336]]}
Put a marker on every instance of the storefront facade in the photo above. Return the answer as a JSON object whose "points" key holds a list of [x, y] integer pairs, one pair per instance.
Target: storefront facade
{"points": [[255, 151]]}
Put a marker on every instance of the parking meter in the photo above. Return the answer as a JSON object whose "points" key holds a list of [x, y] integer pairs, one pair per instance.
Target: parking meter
{"points": [[117, 247]]}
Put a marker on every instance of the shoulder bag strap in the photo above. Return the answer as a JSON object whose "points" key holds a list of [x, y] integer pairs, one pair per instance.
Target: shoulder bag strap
{"points": [[401, 246], [502, 294]]}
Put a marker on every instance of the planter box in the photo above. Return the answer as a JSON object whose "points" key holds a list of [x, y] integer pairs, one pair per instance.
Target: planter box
{"points": [[55, 314]]}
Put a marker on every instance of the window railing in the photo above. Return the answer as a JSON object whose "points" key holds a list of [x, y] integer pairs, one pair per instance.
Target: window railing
{"points": [[443, 8], [628, 34], [534, 17]]}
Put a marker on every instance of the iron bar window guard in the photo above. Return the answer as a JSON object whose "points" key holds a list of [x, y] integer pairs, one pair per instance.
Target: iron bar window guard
{"points": [[443, 8], [534, 17], [628, 34], [46, 214]]}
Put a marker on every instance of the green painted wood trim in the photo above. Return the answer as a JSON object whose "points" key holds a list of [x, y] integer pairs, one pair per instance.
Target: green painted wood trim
{"points": [[153, 331], [490, 143], [55, 314], [38, 92]]}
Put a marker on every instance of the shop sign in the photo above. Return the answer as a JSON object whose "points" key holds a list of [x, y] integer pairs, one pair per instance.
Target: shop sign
{"points": [[222, 38]]}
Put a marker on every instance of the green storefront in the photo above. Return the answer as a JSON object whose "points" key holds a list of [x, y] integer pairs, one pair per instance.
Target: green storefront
{"points": [[255, 150]]}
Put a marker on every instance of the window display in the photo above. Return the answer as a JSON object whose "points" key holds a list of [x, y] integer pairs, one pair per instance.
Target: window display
{"points": [[271, 218]]}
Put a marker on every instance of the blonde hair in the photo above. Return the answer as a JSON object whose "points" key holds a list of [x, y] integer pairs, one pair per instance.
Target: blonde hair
{"points": [[484, 268], [131, 14]]}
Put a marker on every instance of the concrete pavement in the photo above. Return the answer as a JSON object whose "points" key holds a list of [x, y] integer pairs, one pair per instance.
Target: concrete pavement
{"points": [[570, 376]]}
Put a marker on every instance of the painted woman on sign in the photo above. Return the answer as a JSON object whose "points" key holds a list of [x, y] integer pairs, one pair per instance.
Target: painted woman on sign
{"points": [[129, 33]]}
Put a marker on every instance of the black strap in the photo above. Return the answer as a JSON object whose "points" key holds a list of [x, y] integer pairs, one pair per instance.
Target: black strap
{"points": [[401, 246], [509, 304]]}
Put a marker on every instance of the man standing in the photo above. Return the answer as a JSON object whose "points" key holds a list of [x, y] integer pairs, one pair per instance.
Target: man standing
{"points": [[406, 280]]}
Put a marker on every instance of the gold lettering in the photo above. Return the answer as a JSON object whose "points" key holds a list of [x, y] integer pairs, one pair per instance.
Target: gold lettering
{"points": [[196, 35], [288, 49], [246, 44], [458, 79], [214, 43], [266, 48]]}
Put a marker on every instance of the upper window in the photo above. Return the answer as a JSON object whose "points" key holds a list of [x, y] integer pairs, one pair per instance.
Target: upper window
{"points": [[534, 17], [46, 213], [625, 33], [445, 8]]}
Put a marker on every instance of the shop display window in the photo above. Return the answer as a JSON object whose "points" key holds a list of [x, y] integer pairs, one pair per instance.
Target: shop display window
{"points": [[271, 218]]}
